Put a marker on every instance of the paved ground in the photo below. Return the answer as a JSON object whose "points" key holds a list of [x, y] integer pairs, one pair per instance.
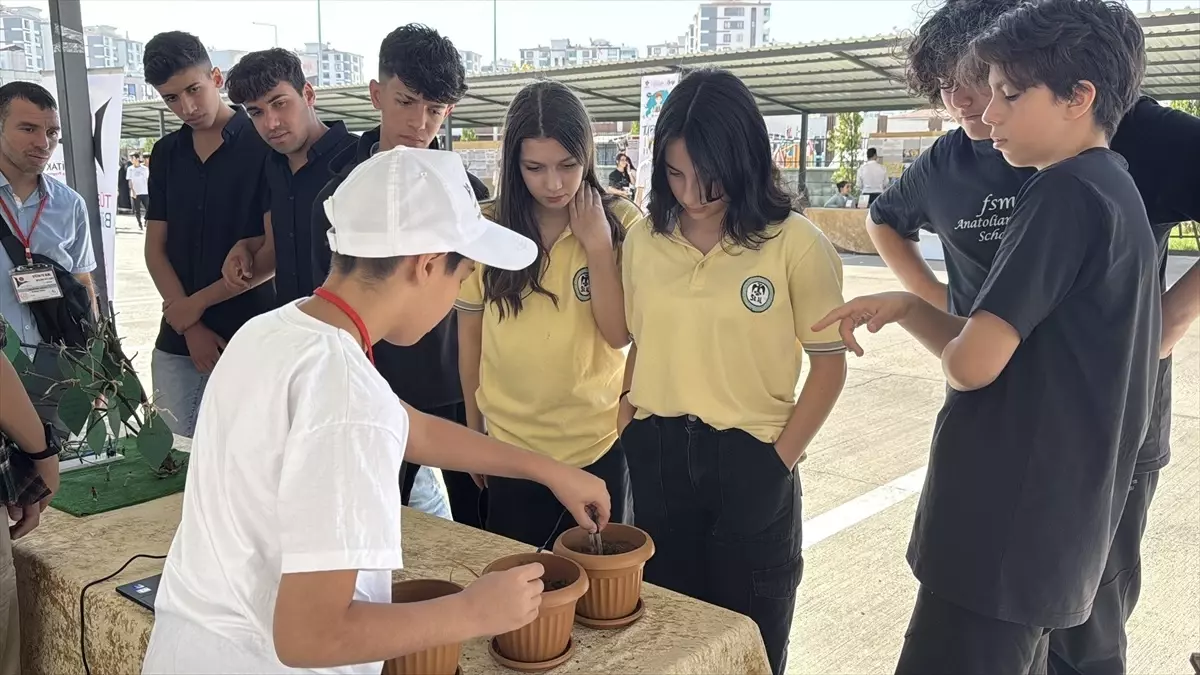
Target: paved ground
{"points": [[861, 481]]}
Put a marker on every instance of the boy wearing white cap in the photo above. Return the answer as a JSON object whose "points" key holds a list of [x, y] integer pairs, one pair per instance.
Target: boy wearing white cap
{"points": [[291, 514]]}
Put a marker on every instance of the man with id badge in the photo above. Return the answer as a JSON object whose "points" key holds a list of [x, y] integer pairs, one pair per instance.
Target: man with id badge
{"points": [[45, 222]]}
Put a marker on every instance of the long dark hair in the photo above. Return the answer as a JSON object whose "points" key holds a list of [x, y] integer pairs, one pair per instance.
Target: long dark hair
{"points": [[544, 109], [726, 137]]}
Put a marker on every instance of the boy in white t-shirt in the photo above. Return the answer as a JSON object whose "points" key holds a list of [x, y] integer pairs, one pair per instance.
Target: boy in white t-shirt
{"points": [[291, 514], [138, 175]]}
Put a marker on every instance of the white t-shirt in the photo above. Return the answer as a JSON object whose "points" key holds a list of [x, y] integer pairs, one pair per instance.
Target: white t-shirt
{"points": [[140, 177], [872, 177], [294, 467]]}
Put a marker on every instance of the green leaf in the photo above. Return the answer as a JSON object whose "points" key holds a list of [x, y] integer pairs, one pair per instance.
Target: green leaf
{"points": [[97, 351], [114, 417], [74, 408], [130, 387], [12, 345], [21, 363], [97, 435], [154, 441]]}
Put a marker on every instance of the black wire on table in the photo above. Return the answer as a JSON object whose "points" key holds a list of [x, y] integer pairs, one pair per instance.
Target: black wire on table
{"points": [[550, 540], [82, 615]]}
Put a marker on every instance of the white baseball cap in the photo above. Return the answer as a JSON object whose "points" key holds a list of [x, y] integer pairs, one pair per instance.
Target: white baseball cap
{"points": [[407, 201]]}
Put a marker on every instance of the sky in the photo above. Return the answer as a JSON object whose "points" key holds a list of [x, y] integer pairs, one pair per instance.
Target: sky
{"points": [[359, 25]]}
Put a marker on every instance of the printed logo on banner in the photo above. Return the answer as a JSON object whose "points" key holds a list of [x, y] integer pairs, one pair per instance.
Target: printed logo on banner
{"points": [[106, 91]]}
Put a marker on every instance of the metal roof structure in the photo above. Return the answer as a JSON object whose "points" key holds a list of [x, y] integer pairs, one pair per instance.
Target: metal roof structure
{"points": [[822, 77]]}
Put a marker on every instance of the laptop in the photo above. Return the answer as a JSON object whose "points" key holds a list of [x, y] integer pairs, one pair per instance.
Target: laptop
{"points": [[142, 591]]}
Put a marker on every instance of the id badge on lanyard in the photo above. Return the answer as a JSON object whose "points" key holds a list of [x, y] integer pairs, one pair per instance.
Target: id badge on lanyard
{"points": [[34, 283], [31, 282]]}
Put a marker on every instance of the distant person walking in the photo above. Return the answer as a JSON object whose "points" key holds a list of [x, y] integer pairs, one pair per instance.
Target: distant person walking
{"points": [[872, 176], [138, 175]]}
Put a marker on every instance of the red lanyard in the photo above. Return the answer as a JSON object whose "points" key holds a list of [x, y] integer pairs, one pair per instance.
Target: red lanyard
{"points": [[353, 316], [16, 226]]}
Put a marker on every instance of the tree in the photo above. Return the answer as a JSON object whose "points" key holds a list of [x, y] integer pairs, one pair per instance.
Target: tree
{"points": [[468, 135], [1190, 107], [845, 141]]}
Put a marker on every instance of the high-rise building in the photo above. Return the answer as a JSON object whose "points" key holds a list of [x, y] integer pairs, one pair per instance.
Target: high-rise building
{"points": [[472, 61], [25, 44], [729, 24], [337, 68], [108, 47]]}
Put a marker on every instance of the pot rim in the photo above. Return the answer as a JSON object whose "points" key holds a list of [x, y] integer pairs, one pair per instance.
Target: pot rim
{"points": [[589, 561], [550, 599], [450, 587]]}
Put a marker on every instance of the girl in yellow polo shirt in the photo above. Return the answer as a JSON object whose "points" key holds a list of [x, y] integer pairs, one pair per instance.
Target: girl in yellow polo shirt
{"points": [[722, 283], [540, 350]]}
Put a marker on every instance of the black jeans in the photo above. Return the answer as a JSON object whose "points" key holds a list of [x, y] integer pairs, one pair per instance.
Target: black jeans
{"points": [[467, 504], [1097, 647], [141, 203], [725, 515], [946, 639], [530, 513]]}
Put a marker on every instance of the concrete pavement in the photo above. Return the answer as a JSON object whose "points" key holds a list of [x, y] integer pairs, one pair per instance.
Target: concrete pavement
{"points": [[860, 486]]}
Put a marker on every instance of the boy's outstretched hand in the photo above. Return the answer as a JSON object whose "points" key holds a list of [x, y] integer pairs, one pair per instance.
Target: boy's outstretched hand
{"points": [[873, 311], [500, 602], [582, 494]]}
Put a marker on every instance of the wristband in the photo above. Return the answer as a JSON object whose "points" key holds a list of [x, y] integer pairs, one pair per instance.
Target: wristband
{"points": [[52, 448], [624, 394]]}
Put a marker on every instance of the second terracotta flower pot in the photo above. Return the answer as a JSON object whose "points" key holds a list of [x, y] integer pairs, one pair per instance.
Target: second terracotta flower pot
{"points": [[441, 660], [547, 637], [615, 578]]}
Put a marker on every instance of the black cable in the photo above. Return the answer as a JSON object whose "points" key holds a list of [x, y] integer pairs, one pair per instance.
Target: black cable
{"points": [[554, 531], [83, 621]]}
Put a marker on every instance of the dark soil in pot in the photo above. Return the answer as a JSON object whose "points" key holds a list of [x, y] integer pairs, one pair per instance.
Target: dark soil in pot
{"points": [[610, 548]]}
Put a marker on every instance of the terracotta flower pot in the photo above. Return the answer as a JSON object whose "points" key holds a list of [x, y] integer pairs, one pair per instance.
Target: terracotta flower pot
{"points": [[441, 660], [547, 637], [616, 579]]}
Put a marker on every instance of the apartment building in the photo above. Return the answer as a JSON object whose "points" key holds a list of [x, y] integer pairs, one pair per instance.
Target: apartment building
{"points": [[564, 54]]}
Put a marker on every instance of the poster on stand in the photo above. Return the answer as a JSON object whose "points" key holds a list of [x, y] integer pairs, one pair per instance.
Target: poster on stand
{"points": [[655, 90], [106, 91]]}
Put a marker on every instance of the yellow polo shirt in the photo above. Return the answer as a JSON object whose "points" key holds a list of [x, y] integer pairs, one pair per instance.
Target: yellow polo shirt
{"points": [[548, 381], [717, 334]]}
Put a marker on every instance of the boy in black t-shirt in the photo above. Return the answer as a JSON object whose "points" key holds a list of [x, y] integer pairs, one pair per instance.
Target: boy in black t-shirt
{"points": [[964, 191], [1052, 375]]}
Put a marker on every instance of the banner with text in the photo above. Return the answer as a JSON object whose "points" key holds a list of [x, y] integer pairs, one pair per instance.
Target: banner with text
{"points": [[106, 91], [655, 90]]}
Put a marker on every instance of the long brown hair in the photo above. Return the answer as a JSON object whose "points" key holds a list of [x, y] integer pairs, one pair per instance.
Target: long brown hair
{"points": [[543, 109]]}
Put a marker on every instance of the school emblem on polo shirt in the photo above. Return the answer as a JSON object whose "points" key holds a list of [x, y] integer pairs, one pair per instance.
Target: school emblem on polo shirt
{"points": [[583, 285], [758, 294]]}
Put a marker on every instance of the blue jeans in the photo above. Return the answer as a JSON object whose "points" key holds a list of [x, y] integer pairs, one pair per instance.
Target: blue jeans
{"points": [[429, 496], [178, 388]]}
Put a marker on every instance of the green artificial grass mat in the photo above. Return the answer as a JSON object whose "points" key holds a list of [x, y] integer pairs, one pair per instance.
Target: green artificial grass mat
{"points": [[118, 484]]}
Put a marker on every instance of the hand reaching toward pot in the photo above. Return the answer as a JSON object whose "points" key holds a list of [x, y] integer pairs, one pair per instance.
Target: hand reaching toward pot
{"points": [[583, 494], [504, 601]]}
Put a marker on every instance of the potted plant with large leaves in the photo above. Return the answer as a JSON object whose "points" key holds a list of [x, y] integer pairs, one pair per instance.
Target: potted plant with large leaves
{"points": [[98, 397]]}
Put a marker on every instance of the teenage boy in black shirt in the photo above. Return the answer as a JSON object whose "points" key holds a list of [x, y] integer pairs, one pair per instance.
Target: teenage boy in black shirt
{"points": [[206, 193], [1052, 375], [963, 190], [420, 79], [282, 104]]}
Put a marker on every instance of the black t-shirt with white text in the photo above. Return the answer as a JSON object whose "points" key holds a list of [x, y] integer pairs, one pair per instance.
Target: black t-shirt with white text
{"points": [[1028, 476], [964, 191]]}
